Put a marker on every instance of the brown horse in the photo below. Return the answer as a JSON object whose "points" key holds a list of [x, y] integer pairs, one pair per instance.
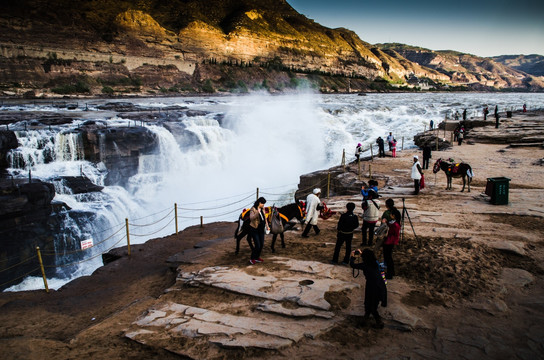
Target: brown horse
{"points": [[453, 170]]}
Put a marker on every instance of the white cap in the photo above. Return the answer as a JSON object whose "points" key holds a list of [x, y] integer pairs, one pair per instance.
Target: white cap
{"points": [[416, 157], [317, 191]]}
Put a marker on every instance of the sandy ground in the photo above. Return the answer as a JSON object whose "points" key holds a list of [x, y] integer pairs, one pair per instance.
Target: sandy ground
{"points": [[470, 276]]}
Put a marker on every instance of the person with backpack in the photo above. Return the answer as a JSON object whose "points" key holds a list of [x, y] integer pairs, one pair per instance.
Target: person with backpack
{"points": [[257, 227], [375, 286], [347, 223], [371, 215]]}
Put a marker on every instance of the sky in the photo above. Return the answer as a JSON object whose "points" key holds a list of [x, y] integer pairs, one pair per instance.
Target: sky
{"points": [[478, 27]]}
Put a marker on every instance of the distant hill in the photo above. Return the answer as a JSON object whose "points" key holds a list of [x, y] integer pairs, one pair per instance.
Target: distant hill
{"points": [[119, 47], [531, 64], [466, 68]]}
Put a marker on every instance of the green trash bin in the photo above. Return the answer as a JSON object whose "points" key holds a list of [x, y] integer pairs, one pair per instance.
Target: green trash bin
{"points": [[498, 188]]}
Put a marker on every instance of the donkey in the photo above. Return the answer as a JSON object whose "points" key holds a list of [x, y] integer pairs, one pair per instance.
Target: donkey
{"points": [[453, 170], [286, 213]]}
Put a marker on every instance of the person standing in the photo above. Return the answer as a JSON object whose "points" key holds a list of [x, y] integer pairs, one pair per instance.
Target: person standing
{"points": [[347, 223], [426, 156], [464, 114], [375, 288], [459, 137], [381, 147], [496, 119], [257, 227], [431, 124], [486, 111], [371, 216], [389, 140], [391, 240], [524, 108], [394, 148], [358, 151], [313, 206], [417, 172]]}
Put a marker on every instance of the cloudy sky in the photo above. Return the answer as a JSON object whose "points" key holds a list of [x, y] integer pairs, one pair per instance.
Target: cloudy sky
{"points": [[479, 27]]}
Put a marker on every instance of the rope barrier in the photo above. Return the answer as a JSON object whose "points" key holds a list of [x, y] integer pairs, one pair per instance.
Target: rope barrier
{"points": [[20, 263], [218, 207], [169, 212], [81, 250], [20, 277], [158, 212], [82, 261], [153, 223], [153, 233]]}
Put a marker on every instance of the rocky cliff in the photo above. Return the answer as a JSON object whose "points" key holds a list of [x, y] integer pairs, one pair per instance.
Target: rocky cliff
{"points": [[469, 70], [530, 64], [119, 47]]}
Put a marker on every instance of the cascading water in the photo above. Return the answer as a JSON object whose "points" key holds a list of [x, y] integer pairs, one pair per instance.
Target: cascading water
{"points": [[216, 159]]}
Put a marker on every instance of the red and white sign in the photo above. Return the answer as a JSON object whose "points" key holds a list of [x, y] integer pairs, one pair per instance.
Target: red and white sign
{"points": [[85, 244]]}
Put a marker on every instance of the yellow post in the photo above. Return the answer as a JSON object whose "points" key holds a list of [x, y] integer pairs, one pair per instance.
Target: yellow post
{"points": [[451, 139], [176, 216], [370, 171], [328, 184], [437, 140], [402, 146], [128, 236], [257, 193], [371, 153], [201, 221], [43, 270], [343, 159]]}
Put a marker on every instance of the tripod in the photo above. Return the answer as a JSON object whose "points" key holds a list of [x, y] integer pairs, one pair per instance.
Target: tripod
{"points": [[405, 211]]}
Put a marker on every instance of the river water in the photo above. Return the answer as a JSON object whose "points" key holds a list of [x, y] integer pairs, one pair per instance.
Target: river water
{"points": [[244, 143]]}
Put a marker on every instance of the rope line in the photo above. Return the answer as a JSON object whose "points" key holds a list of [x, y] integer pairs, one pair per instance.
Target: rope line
{"points": [[153, 233], [22, 262], [158, 212], [54, 253], [82, 261], [153, 223], [218, 207], [20, 277]]}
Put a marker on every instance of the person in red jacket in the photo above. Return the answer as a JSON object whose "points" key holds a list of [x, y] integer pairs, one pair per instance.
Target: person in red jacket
{"points": [[392, 239]]}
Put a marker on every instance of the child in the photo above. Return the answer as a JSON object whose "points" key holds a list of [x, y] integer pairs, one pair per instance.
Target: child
{"points": [[391, 240], [394, 148], [347, 223], [375, 289]]}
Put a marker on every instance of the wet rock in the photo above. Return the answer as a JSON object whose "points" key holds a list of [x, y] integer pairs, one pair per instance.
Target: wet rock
{"points": [[8, 141], [79, 184]]}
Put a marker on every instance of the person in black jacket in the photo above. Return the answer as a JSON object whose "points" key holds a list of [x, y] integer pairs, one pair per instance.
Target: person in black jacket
{"points": [[427, 151], [375, 289], [347, 223]]}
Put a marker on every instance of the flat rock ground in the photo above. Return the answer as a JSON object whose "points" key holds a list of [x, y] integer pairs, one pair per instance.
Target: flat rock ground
{"points": [[470, 284]]}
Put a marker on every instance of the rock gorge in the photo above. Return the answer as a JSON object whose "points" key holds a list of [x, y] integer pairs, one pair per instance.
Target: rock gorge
{"points": [[150, 47]]}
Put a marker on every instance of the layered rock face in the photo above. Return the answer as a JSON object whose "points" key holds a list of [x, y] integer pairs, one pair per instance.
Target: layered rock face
{"points": [[121, 47], [467, 69]]}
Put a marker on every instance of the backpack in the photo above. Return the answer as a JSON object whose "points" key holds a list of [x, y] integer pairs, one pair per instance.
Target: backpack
{"points": [[276, 226]]}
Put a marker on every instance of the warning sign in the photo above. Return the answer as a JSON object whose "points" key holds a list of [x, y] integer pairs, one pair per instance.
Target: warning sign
{"points": [[85, 244]]}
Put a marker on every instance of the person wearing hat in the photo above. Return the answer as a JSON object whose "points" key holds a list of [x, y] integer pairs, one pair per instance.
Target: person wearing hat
{"points": [[313, 205], [358, 151], [417, 173]]}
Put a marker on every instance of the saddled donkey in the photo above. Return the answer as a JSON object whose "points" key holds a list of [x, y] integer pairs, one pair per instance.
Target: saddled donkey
{"points": [[286, 213], [453, 170]]}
